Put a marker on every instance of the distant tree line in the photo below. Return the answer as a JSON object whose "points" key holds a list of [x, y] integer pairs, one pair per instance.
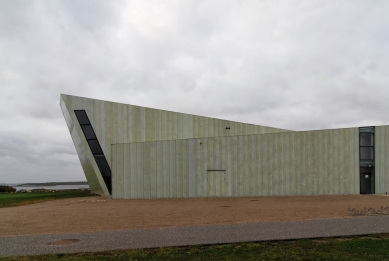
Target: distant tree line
{"points": [[46, 184]]}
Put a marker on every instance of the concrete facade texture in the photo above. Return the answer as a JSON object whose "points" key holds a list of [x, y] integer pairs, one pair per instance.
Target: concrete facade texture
{"points": [[324, 162], [123, 123], [381, 152], [161, 154]]}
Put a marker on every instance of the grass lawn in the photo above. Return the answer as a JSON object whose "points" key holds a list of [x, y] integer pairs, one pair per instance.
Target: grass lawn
{"points": [[19, 199], [372, 247]]}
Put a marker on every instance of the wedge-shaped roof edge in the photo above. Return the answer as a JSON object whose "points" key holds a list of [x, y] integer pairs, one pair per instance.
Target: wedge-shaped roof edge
{"points": [[72, 97]]}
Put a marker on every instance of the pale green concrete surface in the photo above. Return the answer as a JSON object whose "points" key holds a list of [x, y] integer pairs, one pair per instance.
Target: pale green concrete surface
{"points": [[324, 162], [161, 154], [123, 123]]}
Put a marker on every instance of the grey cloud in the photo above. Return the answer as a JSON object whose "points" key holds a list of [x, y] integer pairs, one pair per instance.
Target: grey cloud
{"points": [[92, 15], [289, 64]]}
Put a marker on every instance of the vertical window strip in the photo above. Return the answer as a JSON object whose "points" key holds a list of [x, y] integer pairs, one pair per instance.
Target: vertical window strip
{"points": [[95, 147]]}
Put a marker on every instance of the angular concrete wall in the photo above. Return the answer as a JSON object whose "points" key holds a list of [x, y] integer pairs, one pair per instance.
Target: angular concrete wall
{"points": [[381, 147], [92, 172], [292, 163], [123, 123]]}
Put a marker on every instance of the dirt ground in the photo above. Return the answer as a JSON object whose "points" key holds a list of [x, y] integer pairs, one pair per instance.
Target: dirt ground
{"points": [[103, 214]]}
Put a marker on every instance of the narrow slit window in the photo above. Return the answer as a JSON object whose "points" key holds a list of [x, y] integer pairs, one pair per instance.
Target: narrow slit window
{"points": [[82, 117], [367, 139], [88, 131], [95, 147], [367, 153]]}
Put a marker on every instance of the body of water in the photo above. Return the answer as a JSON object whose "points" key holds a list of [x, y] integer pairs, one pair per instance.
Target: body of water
{"points": [[57, 187]]}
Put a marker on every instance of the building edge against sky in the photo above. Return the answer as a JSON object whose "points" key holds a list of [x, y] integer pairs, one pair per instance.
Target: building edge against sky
{"points": [[130, 151]]}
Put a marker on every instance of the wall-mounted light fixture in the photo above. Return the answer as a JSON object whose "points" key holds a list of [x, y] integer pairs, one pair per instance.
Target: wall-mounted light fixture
{"points": [[228, 128]]}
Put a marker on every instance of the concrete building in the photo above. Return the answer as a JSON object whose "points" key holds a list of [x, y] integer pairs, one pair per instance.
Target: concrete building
{"points": [[129, 151]]}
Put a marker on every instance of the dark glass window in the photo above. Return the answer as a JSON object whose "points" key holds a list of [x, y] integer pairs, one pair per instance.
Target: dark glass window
{"points": [[108, 182], [95, 147], [366, 129], [367, 139], [367, 153], [103, 165], [88, 131], [367, 163], [82, 117]]}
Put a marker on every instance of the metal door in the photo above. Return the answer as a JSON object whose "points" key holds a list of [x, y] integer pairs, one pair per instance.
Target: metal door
{"points": [[367, 181]]}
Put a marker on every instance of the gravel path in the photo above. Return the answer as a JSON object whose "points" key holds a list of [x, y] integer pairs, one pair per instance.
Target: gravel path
{"points": [[196, 235], [98, 214]]}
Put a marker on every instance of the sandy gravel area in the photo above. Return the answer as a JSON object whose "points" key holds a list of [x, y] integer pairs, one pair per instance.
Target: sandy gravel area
{"points": [[104, 214]]}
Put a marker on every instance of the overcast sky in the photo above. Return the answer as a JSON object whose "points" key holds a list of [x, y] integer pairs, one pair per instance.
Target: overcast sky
{"points": [[297, 65]]}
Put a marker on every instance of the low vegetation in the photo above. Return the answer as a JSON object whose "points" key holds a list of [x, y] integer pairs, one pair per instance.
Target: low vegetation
{"points": [[7, 189], [372, 247], [19, 199]]}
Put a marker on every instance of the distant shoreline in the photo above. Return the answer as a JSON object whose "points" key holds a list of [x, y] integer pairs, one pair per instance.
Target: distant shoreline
{"points": [[49, 184]]}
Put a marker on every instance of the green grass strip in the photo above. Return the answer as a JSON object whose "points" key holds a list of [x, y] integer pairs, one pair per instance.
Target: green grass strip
{"points": [[373, 247], [19, 199]]}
